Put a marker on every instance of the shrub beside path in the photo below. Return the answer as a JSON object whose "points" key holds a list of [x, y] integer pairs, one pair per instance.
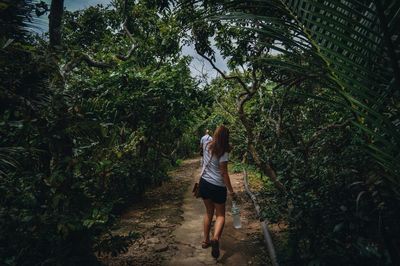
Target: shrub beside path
{"points": [[170, 222]]}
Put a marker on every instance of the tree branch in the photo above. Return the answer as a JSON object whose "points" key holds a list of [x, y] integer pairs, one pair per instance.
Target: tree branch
{"points": [[256, 81], [224, 108], [133, 46], [93, 63], [68, 67], [238, 79], [321, 131]]}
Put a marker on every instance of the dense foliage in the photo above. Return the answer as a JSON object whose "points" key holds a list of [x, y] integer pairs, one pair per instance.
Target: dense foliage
{"points": [[312, 98], [327, 210], [78, 144]]}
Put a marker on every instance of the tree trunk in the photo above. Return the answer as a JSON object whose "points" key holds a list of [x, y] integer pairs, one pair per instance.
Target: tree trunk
{"points": [[263, 166], [55, 22]]}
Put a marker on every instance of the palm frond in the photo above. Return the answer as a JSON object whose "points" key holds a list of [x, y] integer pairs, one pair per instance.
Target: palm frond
{"points": [[9, 159], [356, 44]]}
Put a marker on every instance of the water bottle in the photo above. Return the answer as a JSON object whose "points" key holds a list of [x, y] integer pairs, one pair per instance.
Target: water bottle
{"points": [[236, 215]]}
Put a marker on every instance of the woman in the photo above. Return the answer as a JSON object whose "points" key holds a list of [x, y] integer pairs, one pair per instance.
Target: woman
{"points": [[213, 186]]}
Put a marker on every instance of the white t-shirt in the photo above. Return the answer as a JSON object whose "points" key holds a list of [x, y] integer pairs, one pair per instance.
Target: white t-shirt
{"points": [[204, 139], [211, 172]]}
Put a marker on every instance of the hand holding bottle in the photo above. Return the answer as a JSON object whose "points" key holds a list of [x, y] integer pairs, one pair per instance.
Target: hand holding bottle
{"points": [[234, 196], [236, 215]]}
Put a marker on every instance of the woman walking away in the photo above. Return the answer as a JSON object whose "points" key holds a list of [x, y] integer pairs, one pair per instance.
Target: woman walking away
{"points": [[213, 186]]}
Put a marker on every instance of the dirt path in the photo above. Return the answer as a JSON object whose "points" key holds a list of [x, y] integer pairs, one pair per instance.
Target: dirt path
{"points": [[170, 222]]}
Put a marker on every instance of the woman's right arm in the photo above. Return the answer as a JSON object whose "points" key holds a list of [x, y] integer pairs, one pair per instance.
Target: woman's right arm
{"points": [[223, 168]]}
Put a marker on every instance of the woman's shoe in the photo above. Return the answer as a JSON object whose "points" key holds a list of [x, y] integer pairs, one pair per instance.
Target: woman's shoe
{"points": [[215, 249], [205, 244]]}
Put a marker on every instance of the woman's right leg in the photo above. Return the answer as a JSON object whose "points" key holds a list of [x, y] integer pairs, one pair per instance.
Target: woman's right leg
{"points": [[208, 219]]}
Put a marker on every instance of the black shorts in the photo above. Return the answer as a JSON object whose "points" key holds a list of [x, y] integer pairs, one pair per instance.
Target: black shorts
{"points": [[210, 191]]}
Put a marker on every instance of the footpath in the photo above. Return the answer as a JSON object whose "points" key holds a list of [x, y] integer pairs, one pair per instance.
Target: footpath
{"points": [[169, 220]]}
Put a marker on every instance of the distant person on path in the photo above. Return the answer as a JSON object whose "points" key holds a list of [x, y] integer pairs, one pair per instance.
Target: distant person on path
{"points": [[204, 139], [213, 186]]}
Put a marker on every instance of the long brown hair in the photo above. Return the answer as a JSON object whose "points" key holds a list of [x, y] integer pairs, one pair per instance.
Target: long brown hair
{"points": [[220, 143]]}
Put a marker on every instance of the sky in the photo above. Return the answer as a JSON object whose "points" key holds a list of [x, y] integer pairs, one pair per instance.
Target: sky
{"points": [[40, 24], [198, 64]]}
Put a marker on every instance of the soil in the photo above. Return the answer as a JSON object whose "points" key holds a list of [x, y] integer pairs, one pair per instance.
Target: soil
{"points": [[169, 221]]}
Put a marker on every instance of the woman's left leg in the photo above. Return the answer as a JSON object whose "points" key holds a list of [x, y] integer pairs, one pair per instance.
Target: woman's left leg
{"points": [[218, 228], [220, 220], [208, 219]]}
